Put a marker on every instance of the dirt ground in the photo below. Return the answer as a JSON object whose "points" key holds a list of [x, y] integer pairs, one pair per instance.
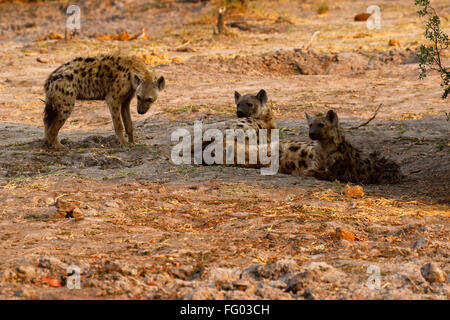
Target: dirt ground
{"points": [[140, 227]]}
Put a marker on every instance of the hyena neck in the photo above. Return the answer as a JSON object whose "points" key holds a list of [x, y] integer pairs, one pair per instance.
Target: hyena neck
{"points": [[335, 141], [268, 119]]}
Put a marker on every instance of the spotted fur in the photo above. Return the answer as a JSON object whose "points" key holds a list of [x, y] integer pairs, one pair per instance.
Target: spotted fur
{"points": [[113, 78], [253, 113], [337, 159], [296, 157]]}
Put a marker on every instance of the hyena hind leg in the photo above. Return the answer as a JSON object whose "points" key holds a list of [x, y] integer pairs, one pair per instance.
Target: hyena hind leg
{"points": [[55, 120]]}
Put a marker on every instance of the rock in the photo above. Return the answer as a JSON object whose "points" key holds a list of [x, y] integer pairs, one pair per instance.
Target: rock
{"points": [[241, 285], [68, 209], [24, 293], [432, 273], [112, 204], [204, 293], [41, 60], [420, 243], [28, 271], [274, 270], [301, 280], [187, 272], [307, 294], [223, 275], [268, 292], [52, 263]]}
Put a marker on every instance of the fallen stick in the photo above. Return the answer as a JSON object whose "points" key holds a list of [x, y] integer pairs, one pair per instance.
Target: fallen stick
{"points": [[370, 119], [309, 43]]}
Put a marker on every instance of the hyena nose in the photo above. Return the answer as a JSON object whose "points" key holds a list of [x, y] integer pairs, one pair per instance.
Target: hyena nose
{"points": [[313, 136], [240, 114]]}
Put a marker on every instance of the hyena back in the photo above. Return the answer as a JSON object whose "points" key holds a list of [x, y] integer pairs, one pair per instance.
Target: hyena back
{"points": [[113, 78]]}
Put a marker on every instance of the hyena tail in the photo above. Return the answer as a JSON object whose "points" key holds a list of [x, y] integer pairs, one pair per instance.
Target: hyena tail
{"points": [[50, 113]]}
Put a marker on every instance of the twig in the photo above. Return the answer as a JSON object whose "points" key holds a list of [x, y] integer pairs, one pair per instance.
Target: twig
{"points": [[221, 21], [367, 122], [309, 43], [183, 45], [283, 19]]}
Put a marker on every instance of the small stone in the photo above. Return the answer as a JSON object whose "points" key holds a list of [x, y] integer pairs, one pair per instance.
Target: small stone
{"points": [[420, 243], [68, 209], [28, 271], [307, 294], [111, 204], [394, 43], [241, 285], [432, 273], [77, 214], [41, 60]]}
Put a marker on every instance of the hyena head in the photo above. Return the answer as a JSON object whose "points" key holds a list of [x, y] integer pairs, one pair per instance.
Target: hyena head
{"points": [[252, 106], [147, 91], [324, 128]]}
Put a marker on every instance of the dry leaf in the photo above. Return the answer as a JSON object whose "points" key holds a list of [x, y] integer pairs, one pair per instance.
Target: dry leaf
{"points": [[341, 234], [354, 191], [51, 282], [362, 35], [394, 43], [55, 36]]}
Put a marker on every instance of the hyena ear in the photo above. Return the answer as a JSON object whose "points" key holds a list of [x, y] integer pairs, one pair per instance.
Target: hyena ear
{"points": [[237, 95], [332, 116], [308, 117], [262, 96], [136, 80], [161, 82]]}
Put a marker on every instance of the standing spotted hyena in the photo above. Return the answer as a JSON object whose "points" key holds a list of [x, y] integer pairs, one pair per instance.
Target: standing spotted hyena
{"points": [[113, 78], [337, 159]]}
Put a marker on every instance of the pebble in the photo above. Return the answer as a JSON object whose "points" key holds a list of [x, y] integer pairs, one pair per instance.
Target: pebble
{"points": [[432, 273]]}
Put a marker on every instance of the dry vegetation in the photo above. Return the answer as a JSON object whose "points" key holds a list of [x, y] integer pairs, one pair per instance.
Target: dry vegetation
{"points": [[140, 227]]}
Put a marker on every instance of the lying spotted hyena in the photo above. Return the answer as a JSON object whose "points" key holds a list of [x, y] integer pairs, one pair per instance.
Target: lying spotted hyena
{"points": [[331, 157], [253, 114], [113, 78]]}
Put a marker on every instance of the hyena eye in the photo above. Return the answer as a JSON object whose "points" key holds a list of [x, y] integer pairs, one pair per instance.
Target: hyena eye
{"points": [[321, 125], [139, 97], [250, 105], [149, 100]]}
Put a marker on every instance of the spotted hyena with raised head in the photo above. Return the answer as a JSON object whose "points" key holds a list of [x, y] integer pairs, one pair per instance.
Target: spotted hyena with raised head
{"points": [[253, 115], [337, 159], [113, 78]]}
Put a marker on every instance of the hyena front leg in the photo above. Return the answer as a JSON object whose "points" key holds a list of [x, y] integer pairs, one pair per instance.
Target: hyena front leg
{"points": [[114, 108], [55, 123], [126, 118]]}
